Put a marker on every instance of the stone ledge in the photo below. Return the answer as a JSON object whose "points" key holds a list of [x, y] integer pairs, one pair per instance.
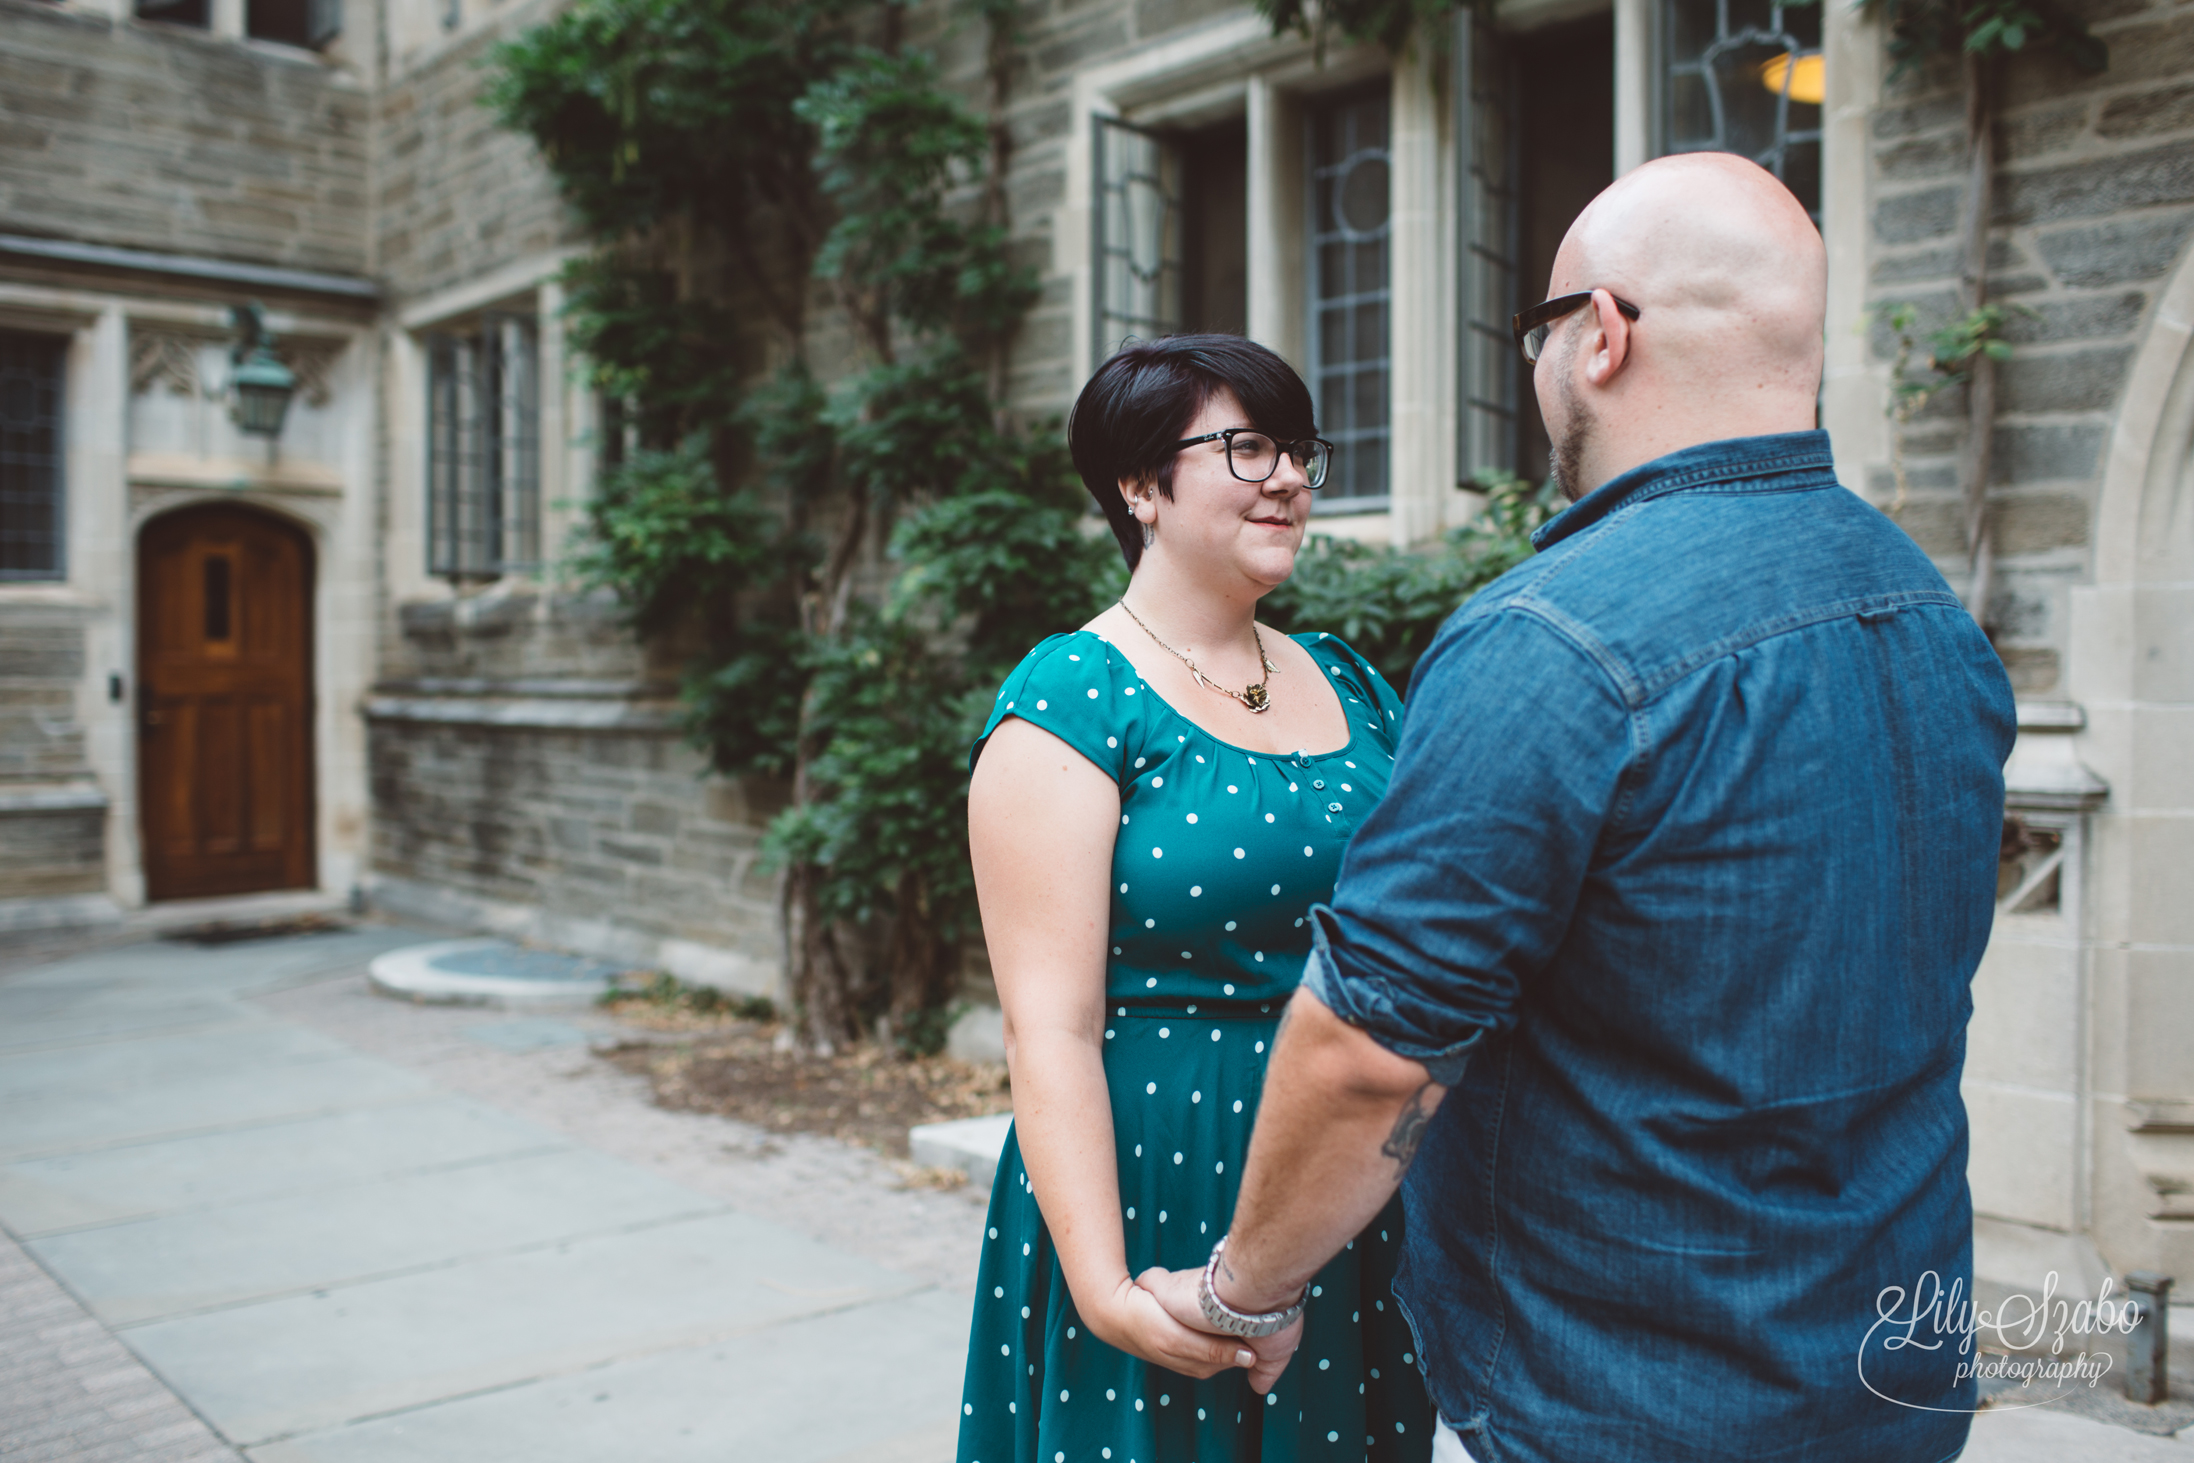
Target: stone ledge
{"points": [[971, 1145], [544, 713], [51, 797]]}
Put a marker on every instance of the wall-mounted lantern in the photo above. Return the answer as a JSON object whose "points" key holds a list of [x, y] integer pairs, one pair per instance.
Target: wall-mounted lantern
{"points": [[260, 386]]}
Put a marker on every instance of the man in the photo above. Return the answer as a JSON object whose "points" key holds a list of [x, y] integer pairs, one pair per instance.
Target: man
{"points": [[1686, 866]]}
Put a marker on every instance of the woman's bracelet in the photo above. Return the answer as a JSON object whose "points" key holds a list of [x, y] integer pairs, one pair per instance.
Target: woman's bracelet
{"points": [[1228, 1321]]}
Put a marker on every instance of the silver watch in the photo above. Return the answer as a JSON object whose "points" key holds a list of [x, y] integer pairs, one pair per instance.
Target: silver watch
{"points": [[1228, 1321]]}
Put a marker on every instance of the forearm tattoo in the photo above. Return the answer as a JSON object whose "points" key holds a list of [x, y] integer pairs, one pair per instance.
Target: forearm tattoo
{"points": [[1409, 1129]]}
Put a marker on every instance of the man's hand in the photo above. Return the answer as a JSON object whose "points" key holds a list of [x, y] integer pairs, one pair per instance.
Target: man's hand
{"points": [[1175, 1292], [1134, 1319]]}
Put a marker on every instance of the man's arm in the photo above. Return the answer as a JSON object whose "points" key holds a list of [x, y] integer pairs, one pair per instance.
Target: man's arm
{"points": [[1340, 1121]]}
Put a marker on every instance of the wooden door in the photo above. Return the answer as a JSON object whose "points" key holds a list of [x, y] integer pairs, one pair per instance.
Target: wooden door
{"points": [[224, 696]]}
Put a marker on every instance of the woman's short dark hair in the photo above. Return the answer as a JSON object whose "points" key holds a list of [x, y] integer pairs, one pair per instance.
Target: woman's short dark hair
{"points": [[1143, 399]]}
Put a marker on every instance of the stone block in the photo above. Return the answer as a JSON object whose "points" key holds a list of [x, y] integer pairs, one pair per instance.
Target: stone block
{"points": [[1937, 156], [1937, 525], [40, 651], [2096, 186], [2026, 1007], [2166, 109], [2118, 251], [2046, 452], [2086, 380], [2161, 846], [2033, 671], [2092, 317], [1155, 16], [1092, 41], [2023, 1143], [2036, 133], [2018, 607], [1929, 115], [1941, 263], [1924, 213]]}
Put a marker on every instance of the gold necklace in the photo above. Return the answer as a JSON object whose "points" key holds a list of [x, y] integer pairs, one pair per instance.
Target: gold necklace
{"points": [[1256, 697]]}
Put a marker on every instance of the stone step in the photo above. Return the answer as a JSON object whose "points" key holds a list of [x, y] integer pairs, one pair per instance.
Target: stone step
{"points": [[971, 1145]]}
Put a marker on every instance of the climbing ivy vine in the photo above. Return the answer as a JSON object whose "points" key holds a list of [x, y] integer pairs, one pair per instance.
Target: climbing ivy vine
{"points": [[855, 544]]}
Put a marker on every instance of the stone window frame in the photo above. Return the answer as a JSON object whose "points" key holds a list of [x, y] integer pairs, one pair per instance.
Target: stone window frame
{"points": [[49, 378], [1235, 67], [566, 416]]}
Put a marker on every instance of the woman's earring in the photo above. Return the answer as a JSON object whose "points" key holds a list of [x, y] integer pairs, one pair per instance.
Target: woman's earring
{"points": [[1150, 534]]}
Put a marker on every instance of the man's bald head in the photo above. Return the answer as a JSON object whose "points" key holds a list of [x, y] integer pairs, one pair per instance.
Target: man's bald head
{"points": [[1731, 282]]}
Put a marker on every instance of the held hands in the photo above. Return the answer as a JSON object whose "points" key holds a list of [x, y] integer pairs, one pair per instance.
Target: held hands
{"points": [[1175, 1291], [1136, 1319], [1154, 1316]]}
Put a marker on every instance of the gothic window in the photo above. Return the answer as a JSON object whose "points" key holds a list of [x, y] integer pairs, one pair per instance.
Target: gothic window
{"points": [[1745, 76], [30, 455], [308, 23], [198, 14], [1138, 243], [483, 448], [1350, 170], [1490, 264]]}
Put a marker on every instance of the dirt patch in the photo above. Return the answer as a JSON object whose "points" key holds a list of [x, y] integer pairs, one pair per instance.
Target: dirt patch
{"points": [[869, 1096]]}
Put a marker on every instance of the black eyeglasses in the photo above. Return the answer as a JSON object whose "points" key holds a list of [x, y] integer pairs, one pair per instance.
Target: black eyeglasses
{"points": [[1534, 324], [1254, 456]]}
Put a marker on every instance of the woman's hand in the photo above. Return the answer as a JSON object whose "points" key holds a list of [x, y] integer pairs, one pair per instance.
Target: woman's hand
{"points": [[1132, 1319], [1265, 1356]]}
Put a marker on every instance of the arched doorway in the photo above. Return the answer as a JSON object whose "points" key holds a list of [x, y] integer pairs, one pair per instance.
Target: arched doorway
{"points": [[2132, 668], [224, 697]]}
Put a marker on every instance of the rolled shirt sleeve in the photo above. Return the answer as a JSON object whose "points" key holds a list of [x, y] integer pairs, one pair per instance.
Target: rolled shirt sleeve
{"points": [[1461, 885]]}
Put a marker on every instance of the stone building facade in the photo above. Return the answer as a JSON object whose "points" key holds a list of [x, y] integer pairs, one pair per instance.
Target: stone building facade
{"points": [[489, 748]]}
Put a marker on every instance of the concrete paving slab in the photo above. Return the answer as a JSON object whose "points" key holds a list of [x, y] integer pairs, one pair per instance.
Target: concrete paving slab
{"points": [[43, 1196], [163, 1060], [335, 1236], [76, 1022], [2038, 1435], [313, 1362], [877, 1383], [47, 1125], [525, 1035]]}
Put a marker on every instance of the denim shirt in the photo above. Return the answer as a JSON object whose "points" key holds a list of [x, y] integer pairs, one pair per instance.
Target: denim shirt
{"points": [[1688, 859]]}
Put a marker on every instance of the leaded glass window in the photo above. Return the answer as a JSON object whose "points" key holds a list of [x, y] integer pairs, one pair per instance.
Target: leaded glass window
{"points": [[1490, 220], [1138, 236], [483, 448], [1350, 238], [30, 455], [1745, 76]]}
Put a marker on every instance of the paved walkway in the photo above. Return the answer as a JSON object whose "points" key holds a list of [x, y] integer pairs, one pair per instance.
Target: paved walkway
{"points": [[261, 1210], [339, 1229]]}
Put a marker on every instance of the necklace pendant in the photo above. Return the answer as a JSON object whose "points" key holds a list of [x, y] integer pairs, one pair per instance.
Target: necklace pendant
{"points": [[1257, 698]]}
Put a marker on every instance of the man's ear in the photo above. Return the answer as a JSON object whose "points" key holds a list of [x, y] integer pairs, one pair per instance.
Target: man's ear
{"points": [[1609, 345]]}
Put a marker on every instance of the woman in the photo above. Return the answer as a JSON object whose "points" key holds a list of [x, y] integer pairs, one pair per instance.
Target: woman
{"points": [[1157, 801]]}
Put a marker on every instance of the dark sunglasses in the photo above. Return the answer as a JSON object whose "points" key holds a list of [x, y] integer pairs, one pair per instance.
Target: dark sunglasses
{"points": [[1254, 456], [1533, 325]]}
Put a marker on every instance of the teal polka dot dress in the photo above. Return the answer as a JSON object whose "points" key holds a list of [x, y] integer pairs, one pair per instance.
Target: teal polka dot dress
{"points": [[1221, 852]]}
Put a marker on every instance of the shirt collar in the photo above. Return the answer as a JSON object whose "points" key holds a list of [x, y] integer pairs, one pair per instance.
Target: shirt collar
{"points": [[1690, 467]]}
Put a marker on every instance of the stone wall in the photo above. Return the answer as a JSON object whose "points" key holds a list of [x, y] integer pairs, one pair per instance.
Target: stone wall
{"points": [[1060, 38], [162, 138], [52, 819], [456, 196], [2092, 213], [529, 775]]}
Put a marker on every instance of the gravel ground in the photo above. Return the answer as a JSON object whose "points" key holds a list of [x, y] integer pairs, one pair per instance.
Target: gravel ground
{"points": [[542, 1068]]}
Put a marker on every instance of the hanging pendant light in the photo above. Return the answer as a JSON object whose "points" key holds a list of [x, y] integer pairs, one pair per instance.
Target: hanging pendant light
{"points": [[260, 386], [1803, 75]]}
